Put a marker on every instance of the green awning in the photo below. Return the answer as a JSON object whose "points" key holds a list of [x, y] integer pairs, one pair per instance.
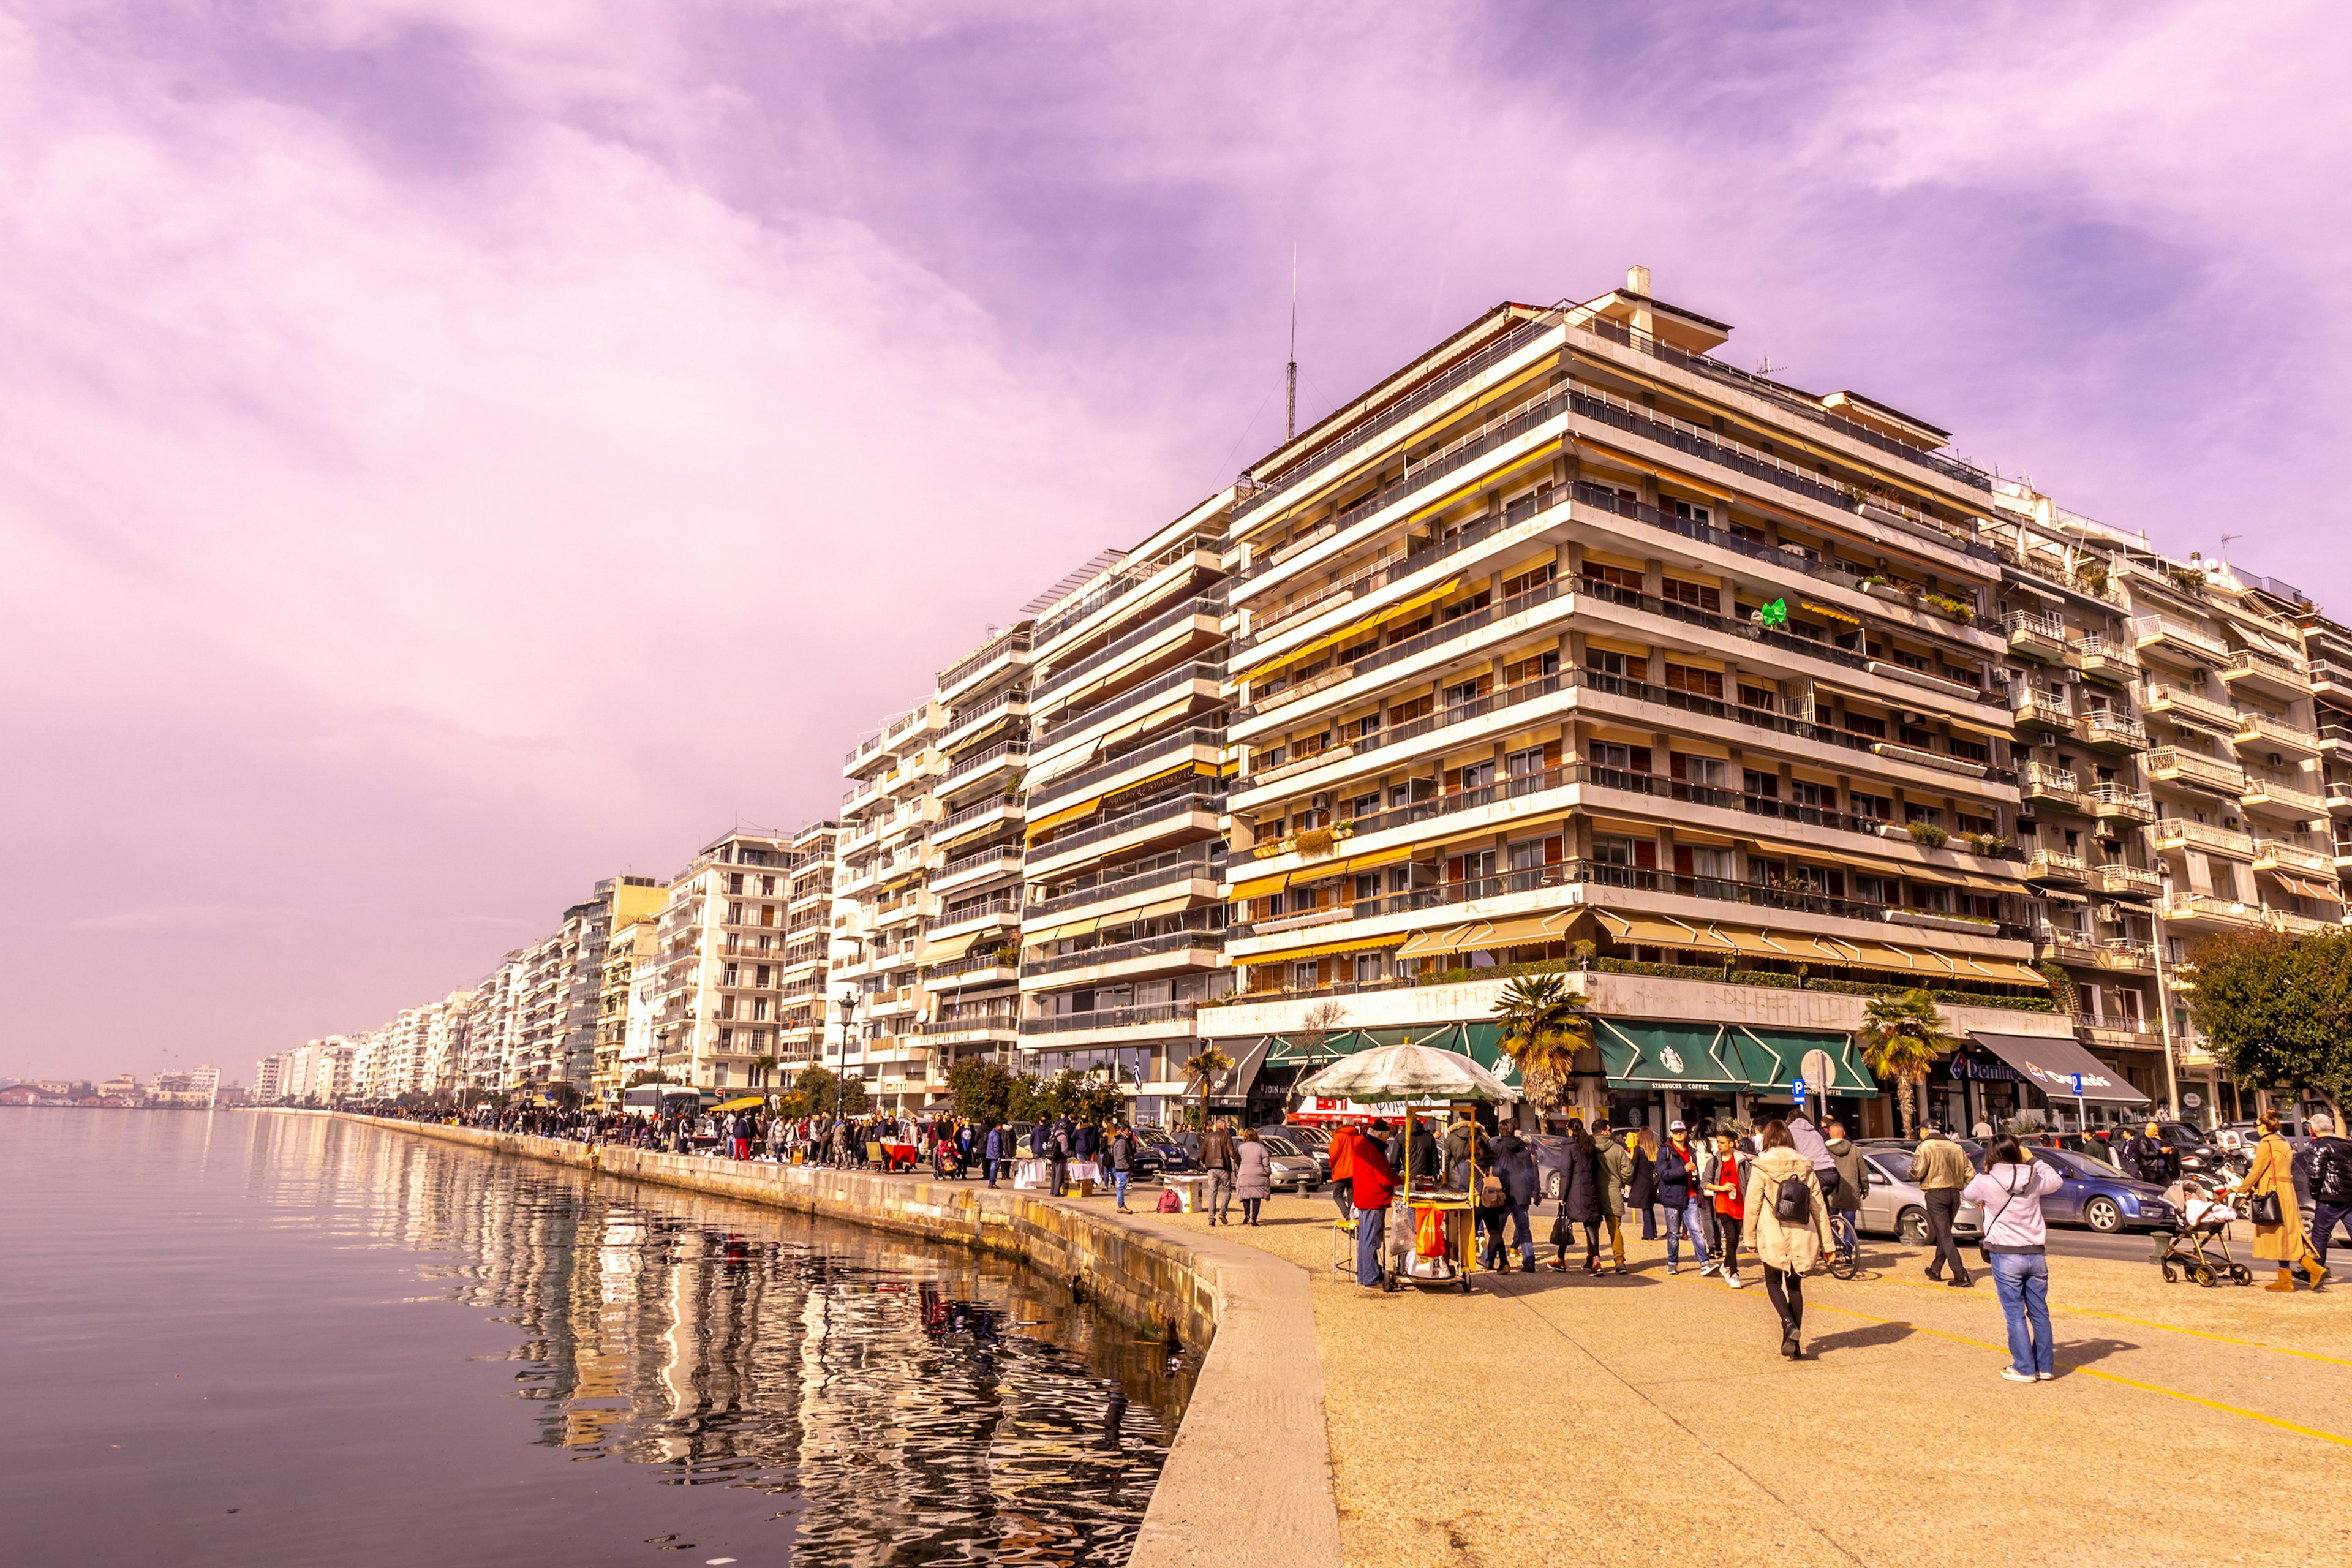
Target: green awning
{"points": [[1771, 1059], [1641, 1054]]}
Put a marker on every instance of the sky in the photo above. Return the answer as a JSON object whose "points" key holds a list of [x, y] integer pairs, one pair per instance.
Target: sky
{"points": [[451, 453]]}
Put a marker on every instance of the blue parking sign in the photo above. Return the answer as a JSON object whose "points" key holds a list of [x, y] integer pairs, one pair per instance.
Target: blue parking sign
{"points": [[2078, 1086], [1797, 1088]]}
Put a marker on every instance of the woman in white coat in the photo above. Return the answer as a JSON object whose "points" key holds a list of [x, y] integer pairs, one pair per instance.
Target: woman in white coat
{"points": [[1787, 1225]]}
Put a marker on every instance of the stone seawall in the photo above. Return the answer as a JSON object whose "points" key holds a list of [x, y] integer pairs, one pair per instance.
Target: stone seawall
{"points": [[1248, 1478]]}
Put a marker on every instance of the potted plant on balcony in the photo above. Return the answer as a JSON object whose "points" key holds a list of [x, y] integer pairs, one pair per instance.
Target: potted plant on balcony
{"points": [[1952, 609], [1314, 841], [1986, 843], [1925, 834], [2093, 574]]}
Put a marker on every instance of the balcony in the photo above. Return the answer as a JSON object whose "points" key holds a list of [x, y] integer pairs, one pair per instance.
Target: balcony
{"points": [[1013, 645], [1010, 757], [2113, 730], [981, 912], [2276, 797], [2126, 956], [2041, 638], [1005, 859], [2056, 866], [2184, 705], [2339, 799], [2194, 770], [2042, 712], [2105, 659], [975, 818], [2121, 881], [1158, 1013], [2203, 912], [2261, 733], [2120, 802], [2276, 675], [2175, 833], [2064, 945], [1003, 707], [2053, 786], [2335, 741], [1193, 869], [2278, 854], [1178, 949], [2117, 1033], [2329, 679], [2287, 924], [2164, 636]]}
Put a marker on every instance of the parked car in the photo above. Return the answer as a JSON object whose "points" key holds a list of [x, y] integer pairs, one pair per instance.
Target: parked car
{"points": [[1292, 1166], [1897, 1206], [2092, 1193], [1171, 1154], [1308, 1141]]}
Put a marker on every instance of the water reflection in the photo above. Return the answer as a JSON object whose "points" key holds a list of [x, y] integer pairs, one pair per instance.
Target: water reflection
{"points": [[900, 1403]]}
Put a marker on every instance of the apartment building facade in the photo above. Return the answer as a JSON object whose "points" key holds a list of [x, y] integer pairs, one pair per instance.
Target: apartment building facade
{"points": [[1569, 641], [629, 948], [806, 1018], [1121, 847], [719, 955], [2328, 652]]}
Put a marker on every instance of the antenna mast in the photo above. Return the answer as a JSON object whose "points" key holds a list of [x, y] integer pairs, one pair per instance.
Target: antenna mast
{"points": [[1290, 399]]}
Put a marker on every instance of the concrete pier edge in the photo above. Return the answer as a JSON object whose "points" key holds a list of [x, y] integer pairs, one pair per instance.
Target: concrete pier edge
{"points": [[1248, 1478]]}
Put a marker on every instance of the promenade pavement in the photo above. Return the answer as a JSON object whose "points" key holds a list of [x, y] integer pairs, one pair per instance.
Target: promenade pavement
{"points": [[1651, 1418]]}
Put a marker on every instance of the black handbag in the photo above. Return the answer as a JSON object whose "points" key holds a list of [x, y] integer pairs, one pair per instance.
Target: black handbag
{"points": [[2263, 1208]]}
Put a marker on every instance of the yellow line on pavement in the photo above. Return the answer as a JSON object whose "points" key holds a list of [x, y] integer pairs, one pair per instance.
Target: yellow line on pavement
{"points": [[2107, 1378], [2144, 1323]]}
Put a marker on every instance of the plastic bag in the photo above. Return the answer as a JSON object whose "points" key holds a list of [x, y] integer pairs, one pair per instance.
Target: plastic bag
{"points": [[1429, 1233]]}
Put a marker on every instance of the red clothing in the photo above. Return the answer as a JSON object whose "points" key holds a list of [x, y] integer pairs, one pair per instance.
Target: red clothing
{"points": [[1375, 1182], [1343, 1153], [1730, 1202]]}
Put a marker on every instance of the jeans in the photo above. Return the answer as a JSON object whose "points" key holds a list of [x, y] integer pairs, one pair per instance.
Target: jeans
{"points": [[1499, 1225], [1118, 1180], [1221, 1194], [1649, 1222], [1942, 1204], [1343, 1193], [988, 1169], [2022, 1281], [2325, 1218], [1683, 1222], [1787, 1289], [1842, 1225], [1371, 1233]]}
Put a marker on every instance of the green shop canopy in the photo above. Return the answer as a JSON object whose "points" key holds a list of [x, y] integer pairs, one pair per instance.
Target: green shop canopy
{"points": [[1774, 1058], [1639, 1054], [1478, 1041]]}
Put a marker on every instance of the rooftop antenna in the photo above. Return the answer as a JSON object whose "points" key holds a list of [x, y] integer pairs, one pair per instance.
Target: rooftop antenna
{"points": [[1290, 400], [2225, 546], [1765, 367]]}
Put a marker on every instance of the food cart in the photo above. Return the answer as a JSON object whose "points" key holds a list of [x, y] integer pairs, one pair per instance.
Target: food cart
{"points": [[1432, 1235]]}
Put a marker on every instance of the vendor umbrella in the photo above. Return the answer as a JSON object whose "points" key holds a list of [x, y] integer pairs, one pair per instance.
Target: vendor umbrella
{"points": [[1407, 1072]]}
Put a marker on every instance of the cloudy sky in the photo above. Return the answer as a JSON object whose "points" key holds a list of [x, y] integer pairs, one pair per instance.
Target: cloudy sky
{"points": [[450, 453]]}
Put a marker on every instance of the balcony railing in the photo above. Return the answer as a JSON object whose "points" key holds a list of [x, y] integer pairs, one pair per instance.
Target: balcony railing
{"points": [[1011, 643], [2105, 658], [2042, 637], [2122, 802], [1123, 952], [2123, 953], [1194, 868], [2289, 923], [1184, 805], [1110, 1018], [2152, 631], [980, 909], [2255, 662], [2180, 702], [2048, 709], [2112, 727], [2204, 907], [1010, 755], [1141, 752], [1128, 578], [2262, 730], [2129, 881], [1184, 675], [2263, 790], [2042, 779], [2056, 865], [1159, 625], [2279, 852], [2170, 764], [1005, 857], [2180, 833]]}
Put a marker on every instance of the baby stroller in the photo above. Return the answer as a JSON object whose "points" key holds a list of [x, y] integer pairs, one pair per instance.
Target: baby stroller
{"points": [[2199, 1250]]}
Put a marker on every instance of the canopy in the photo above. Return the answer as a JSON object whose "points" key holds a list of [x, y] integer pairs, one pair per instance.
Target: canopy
{"points": [[746, 1103], [1407, 1072], [1638, 1053], [2050, 1065]]}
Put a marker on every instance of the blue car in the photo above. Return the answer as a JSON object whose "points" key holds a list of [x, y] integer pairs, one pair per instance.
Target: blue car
{"points": [[2091, 1192]]}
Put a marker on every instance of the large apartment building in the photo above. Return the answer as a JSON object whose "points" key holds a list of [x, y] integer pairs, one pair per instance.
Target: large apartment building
{"points": [[1569, 640], [1121, 847], [805, 1021], [720, 953]]}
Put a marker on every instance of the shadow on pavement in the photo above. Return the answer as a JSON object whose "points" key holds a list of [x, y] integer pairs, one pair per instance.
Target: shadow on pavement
{"points": [[1865, 1338], [2070, 1354]]}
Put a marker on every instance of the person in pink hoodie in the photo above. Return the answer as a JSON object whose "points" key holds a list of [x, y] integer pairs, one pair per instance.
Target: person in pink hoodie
{"points": [[2011, 1190]]}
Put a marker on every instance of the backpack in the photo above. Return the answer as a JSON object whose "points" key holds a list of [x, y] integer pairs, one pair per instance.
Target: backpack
{"points": [[1792, 1205], [1490, 1192], [1171, 1204]]}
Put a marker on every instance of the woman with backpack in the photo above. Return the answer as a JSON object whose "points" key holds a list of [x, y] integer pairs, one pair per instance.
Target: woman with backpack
{"points": [[1788, 1224]]}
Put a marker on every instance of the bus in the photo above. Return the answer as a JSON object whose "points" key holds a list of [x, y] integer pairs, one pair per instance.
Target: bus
{"points": [[667, 1098]]}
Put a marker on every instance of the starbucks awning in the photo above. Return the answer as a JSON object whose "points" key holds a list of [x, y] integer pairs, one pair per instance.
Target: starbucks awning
{"points": [[1640, 1054], [2049, 1063], [1775, 1057]]}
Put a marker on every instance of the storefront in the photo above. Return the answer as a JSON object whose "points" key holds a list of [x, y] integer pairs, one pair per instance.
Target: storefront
{"points": [[1995, 1077]]}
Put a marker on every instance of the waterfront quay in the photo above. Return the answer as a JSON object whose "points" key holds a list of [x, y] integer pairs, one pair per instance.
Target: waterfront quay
{"points": [[1648, 1415]]}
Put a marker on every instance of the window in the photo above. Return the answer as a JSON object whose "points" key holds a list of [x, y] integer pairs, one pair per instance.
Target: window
{"points": [[1304, 977], [1477, 775], [1931, 898], [760, 978], [1534, 854], [1763, 786], [1610, 580], [1758, 697], [1617, 666], [1615, 758], [1874, 889], [1877, 807], [1691, 595], [1535, 667], [1478, 865], [1684, 508], [759, 1012], [1705, 860], [1863, 724], [1529, 581], [1706, 771], [1405, 712], [735, 913], [1708, 683], [767, 887], [1468, 690], [1805, 792], [1367, 886], [1370, 724], [726, 1039], [727, 976], [735, 881], [1477, 600], [1926, 814], [1744, 531], [1371, 966], [1534, 760]]}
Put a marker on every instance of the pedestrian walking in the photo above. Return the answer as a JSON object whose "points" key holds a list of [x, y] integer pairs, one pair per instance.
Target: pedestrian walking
{"points": [[1616, 1169], [1854, 1180], [1678, 1195], [1217, 1160], [1373, 1184], [1345, 1141], [1253, 1173], [1058, 1158], [2331, 1186], [1941, 1168], [1121, 1153], [2011, 1190], [1642, 1191], [2281, 1240], [991, 1150], [1515, 1169], [1787, 1222], [1465, 1148], [1580, 1200], [1725, 1192]]}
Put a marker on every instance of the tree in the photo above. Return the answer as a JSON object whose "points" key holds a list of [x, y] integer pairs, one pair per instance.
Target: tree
{"points": [[820, 1089], [983, 1090], [1543, 1027], [647, 1075], [2278, 1011], [760, 1067], [1203, 1069], [1902, 1035], [564, 1094], [853, 1097]]}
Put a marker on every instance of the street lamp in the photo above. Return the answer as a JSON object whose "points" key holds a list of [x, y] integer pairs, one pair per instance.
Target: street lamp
{"points": [[847, 1002], [2163, 992]]}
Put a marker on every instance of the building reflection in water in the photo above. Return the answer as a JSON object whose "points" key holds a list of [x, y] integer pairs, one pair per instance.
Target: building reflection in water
{"points": [[903, 1402]]}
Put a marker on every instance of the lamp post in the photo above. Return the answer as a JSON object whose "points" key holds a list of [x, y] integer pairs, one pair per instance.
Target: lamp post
{"points": [[847, 1002], [2163, 993]]}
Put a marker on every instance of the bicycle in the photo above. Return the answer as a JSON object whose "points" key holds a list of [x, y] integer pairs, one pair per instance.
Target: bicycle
{"points": [[1843, 1259]]}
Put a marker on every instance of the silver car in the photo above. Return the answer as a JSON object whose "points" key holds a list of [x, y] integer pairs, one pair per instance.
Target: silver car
{"points": [[1897, 1206], [1289, 1166]]}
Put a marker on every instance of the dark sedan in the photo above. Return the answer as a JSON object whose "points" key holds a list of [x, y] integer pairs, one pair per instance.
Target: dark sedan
{"points": [[2091, 1192]]}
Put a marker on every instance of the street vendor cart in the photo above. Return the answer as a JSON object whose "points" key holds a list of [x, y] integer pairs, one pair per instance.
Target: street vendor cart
{"points": [[1433, 1233]]}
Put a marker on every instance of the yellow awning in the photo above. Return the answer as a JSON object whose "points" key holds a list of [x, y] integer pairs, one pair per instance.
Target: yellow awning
{"points": [[1056, 933], [1834, 949], [1826, 610], [1259, 886], [1431, 941], [1754, 943], [1066, 814], [1878, 955], [1524, 932], [954, 948], [2017, 974], [1153, 911], [1395, 612], [1653, 930], [746, 1103], [1325, 950]]}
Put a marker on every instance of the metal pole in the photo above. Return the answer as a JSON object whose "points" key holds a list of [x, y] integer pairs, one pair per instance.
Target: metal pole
{"points": [[2163, 993]]}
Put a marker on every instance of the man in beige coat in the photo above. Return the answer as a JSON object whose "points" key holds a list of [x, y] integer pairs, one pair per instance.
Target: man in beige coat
{"points": [[1616, 1168], [1788, 1246], [1941, 1167]]}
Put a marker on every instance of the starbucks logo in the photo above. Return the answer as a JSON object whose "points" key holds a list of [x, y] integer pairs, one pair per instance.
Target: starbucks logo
{"points": [[1671, 1059], [1504, 1065]]}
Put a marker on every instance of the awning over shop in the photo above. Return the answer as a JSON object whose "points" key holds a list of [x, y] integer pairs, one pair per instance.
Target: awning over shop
{"points": [[1774, 1058], [1324, 950], [2049, 1063], [1640, 1054], [1236, 1084]]}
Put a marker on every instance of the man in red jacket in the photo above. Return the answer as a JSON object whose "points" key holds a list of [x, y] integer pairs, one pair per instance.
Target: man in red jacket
{"points": [[1373, 1182], [1344, 1140]]}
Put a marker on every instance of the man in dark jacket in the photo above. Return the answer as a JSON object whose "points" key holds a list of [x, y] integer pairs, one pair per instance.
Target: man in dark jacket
{"points": [[1217, 1159], [2331, 1182], [1852, 1179], [1121, 1155], [1678, 1184], [2153, 1160], [1516, 1169], [991, 1150]]}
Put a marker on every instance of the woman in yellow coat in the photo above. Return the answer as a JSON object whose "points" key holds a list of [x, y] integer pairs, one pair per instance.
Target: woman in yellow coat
{"points": [[2284, 1244]]}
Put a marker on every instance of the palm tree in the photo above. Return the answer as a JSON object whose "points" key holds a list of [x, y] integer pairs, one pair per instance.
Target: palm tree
{"points": [[1202, 1070], [760, 1067], [1543, 1027], [1902, 1035]]}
